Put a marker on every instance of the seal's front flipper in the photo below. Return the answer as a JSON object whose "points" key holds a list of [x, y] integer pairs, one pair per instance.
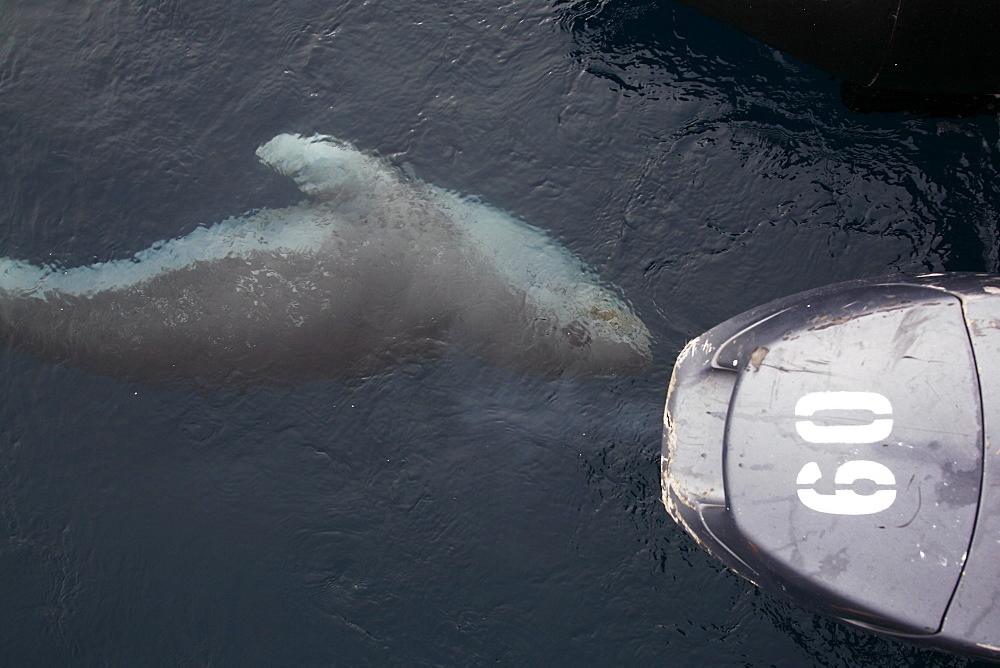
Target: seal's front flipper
{"points": [[326, 169]]}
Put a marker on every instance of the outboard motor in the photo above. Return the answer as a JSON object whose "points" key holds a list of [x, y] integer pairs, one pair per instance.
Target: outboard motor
{"points": [[922, 46], [841, 447]]}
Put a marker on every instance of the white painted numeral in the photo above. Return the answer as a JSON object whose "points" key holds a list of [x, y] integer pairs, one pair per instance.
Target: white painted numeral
{"points": [[870, 432], [847, 501]]}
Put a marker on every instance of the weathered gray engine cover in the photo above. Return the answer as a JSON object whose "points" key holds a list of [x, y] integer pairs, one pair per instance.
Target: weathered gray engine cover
{"points": [[830, 446]]}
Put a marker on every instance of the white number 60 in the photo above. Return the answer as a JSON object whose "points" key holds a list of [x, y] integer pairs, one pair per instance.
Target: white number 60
{"points": [[847, 501], [868, 432]]}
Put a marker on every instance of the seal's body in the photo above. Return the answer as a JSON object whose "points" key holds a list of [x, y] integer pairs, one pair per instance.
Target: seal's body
{"points": [[371, 271]]}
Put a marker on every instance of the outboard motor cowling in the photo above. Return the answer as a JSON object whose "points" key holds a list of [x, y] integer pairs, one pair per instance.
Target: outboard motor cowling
{"points": [[841, 447]]}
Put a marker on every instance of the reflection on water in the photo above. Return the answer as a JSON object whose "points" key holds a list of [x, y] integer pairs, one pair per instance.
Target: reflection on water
{"points": [[926, 182]]}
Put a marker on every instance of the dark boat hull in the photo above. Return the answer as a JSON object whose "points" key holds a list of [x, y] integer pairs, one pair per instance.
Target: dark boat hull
{"points": [[924, 46]]}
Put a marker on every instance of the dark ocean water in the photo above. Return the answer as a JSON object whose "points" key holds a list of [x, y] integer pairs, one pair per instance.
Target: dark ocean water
{"points": [[449, 512]]}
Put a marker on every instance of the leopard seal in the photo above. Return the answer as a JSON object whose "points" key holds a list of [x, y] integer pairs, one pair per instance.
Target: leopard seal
{"points": [[373, 269]]}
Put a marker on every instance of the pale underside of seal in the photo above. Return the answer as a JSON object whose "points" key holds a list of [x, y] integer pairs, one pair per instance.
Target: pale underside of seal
{"points": [[371, 271]]}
